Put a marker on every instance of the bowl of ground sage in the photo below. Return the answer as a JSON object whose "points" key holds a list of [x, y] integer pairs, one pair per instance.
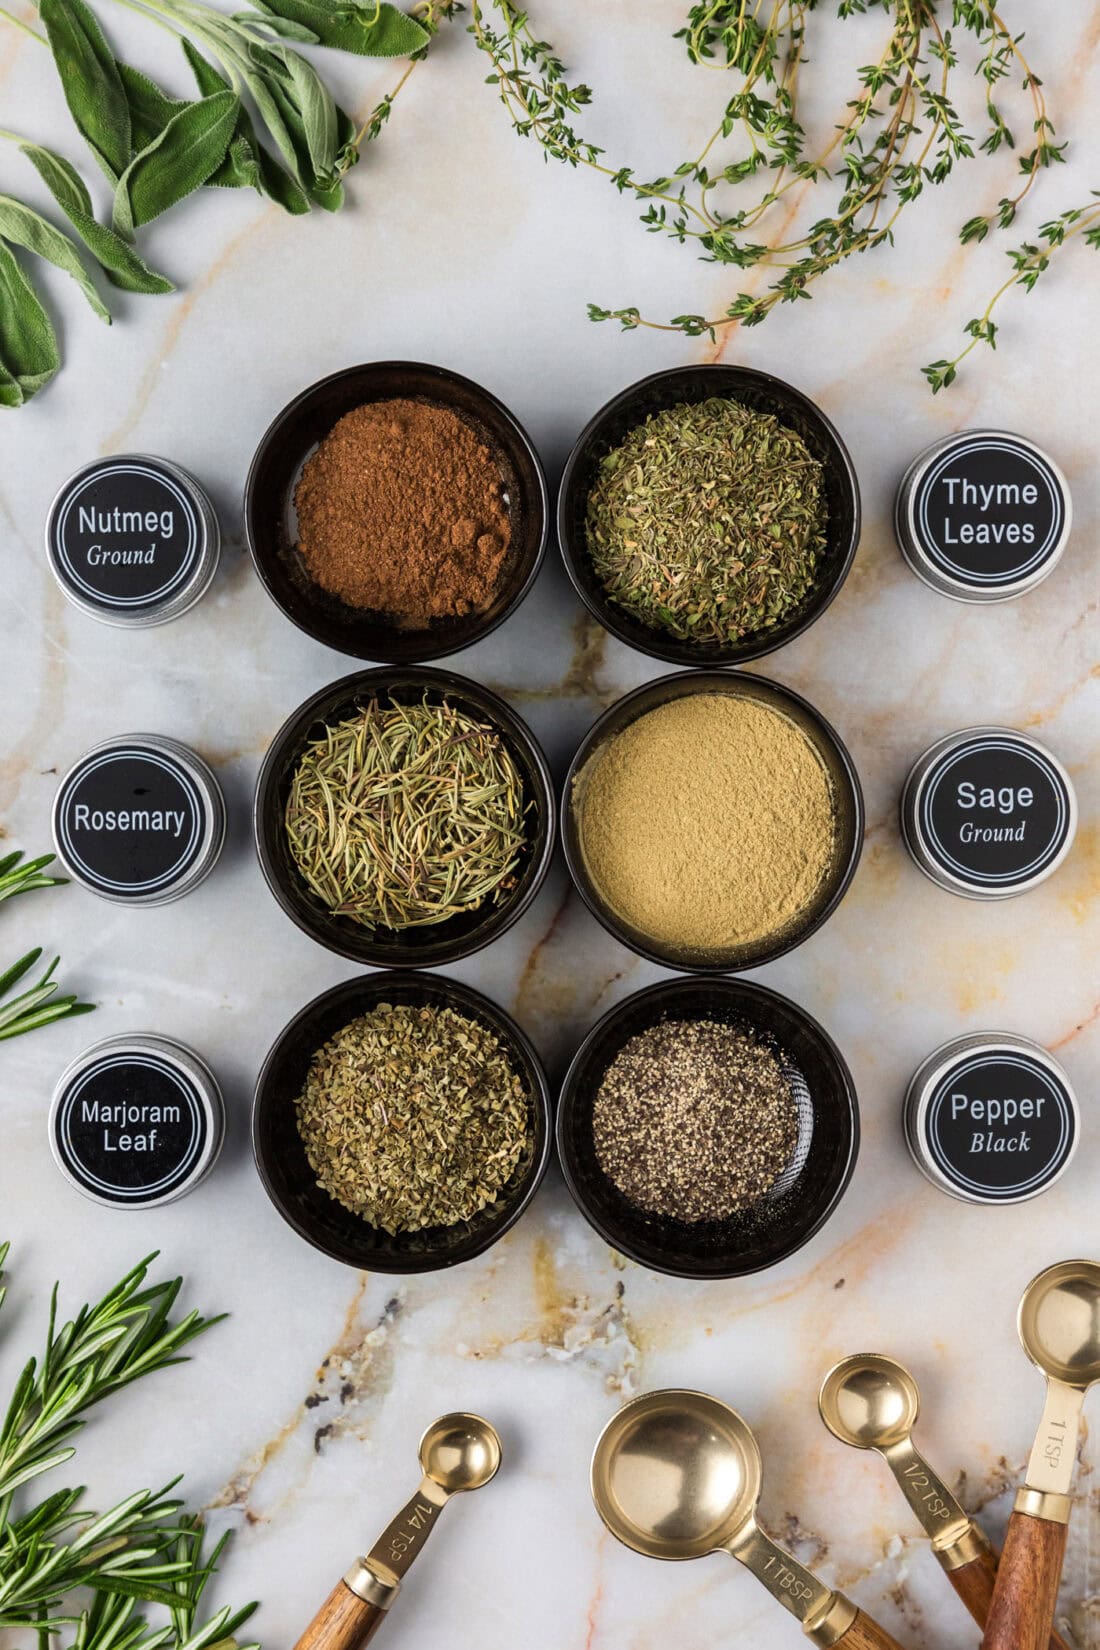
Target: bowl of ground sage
{"points": [[707, 1128], [404, 817], [708, 514], [712, 820], [396, 511], [401, 1123]]}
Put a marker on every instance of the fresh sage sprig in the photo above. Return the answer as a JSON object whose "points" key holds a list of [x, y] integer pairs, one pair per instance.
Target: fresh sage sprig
{"points": [[264, 119], [146, 1549], [40, 1005]]}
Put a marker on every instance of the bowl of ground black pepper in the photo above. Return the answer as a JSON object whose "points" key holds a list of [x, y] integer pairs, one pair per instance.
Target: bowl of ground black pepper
{"points": [[712, 820], [396, 511], [404, 817], [708, 514], [401, 1123], [707, 1128]]}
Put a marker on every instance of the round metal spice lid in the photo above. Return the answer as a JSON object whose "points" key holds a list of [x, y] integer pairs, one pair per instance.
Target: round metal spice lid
{"points": [[991, 1118], [132, 540], [136, 1121], [988, 812], [139, 820], [983, 515]]}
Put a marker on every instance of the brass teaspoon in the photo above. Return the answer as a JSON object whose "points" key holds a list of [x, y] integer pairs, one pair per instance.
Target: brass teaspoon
{"points": [[872, 1402], [1059, 1325], [458, 1452]]}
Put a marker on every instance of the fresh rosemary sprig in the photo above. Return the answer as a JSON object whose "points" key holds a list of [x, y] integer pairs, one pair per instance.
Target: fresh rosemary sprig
{"points": [[40, 1005], [145, 1549], [899, 134]]}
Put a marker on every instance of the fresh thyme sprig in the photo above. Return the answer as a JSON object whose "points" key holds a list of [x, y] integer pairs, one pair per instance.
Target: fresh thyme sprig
{"points": [[145, 1549], [899, 134], [1029, 261]]}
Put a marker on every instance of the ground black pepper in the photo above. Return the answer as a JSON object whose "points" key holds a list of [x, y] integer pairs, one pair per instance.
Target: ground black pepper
{"points": [[694, 1120]]}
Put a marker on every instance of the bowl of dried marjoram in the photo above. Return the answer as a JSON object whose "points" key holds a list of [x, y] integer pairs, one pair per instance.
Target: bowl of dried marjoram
{"points": [[404, 817], [707, 1128], [708, 514], [401, 1123], [712, 820], [396, 511]]}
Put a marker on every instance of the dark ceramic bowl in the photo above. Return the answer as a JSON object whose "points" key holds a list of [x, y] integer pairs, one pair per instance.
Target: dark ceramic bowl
{"points": [[846, 789], [445, 942], [804, 1196], [271, 524], [280, 1156], [762, 393]]}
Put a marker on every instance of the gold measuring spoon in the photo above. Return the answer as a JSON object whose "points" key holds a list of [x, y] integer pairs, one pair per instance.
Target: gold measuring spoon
{"points": [[1059, 1325], [872, 1402], [677, 1475], [458, 1452]]}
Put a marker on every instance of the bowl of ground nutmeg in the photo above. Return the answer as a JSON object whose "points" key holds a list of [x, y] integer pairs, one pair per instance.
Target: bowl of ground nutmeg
{"points": [[396, 511], [401, 1123], [707, 1128], [708, 514], [712, 820]]}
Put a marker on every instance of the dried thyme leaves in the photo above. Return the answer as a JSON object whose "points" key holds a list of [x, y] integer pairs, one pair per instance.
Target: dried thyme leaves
{"points": [[405, 815], [708, 521], [413, 1116], [694, 1120]]}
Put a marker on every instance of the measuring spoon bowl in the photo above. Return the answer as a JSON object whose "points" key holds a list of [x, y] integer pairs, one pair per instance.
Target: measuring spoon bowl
{"points": [[1059, 1322], [869, 1401]]}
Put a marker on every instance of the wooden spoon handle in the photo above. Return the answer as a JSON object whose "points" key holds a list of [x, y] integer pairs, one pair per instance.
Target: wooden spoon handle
{"points": [[344, 1622], [866, 1634], [974, 1584], [1025, 1593]]}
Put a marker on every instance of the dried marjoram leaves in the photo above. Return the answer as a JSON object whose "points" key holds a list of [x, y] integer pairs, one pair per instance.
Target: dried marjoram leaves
{"points": [[694, 1120], [413, 1116], [405, 815], [708, 521]]}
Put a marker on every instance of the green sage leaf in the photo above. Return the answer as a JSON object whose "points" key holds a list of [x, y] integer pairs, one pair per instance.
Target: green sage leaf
{"points": [[29, 355], [318, 113], [278, 184], [121, 263], [21, 226], [281, 26], [191, 147], [150, 108], [367, 30], [90, 80]]}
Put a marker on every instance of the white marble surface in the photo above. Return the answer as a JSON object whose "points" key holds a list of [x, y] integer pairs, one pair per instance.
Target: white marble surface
{"points": [[461, 247]]}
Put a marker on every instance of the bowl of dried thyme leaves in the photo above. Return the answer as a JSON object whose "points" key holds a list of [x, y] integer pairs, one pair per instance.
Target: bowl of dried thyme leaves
{"points": [[401, 1122], [707, 1129], [708, 514], [404, 817]]}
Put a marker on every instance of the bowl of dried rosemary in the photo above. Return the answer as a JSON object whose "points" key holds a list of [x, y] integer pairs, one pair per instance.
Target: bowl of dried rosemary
{"points": [[707, 1128], [404, 817], [401, 1122], [396, 511], [708, 514]]}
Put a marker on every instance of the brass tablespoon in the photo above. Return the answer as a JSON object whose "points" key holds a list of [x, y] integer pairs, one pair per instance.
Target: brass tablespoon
{"points": [[677, 1475], [458, 1452], [872, 1402], [1059, 1326]]}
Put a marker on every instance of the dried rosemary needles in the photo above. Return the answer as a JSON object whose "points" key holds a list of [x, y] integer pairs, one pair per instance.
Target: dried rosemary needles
{"points": [[413, 1117], [404, 815], [708, 521]]}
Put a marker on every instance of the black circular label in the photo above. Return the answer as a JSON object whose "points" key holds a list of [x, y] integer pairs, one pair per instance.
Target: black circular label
{"points": [[125, 535], [129, 821], [131, 1128], [995, 812], [989, 511], [1000, 1125]]}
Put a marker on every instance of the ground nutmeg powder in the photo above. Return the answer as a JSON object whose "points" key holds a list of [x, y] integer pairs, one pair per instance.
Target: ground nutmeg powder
{"points": [[402, 510]]}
